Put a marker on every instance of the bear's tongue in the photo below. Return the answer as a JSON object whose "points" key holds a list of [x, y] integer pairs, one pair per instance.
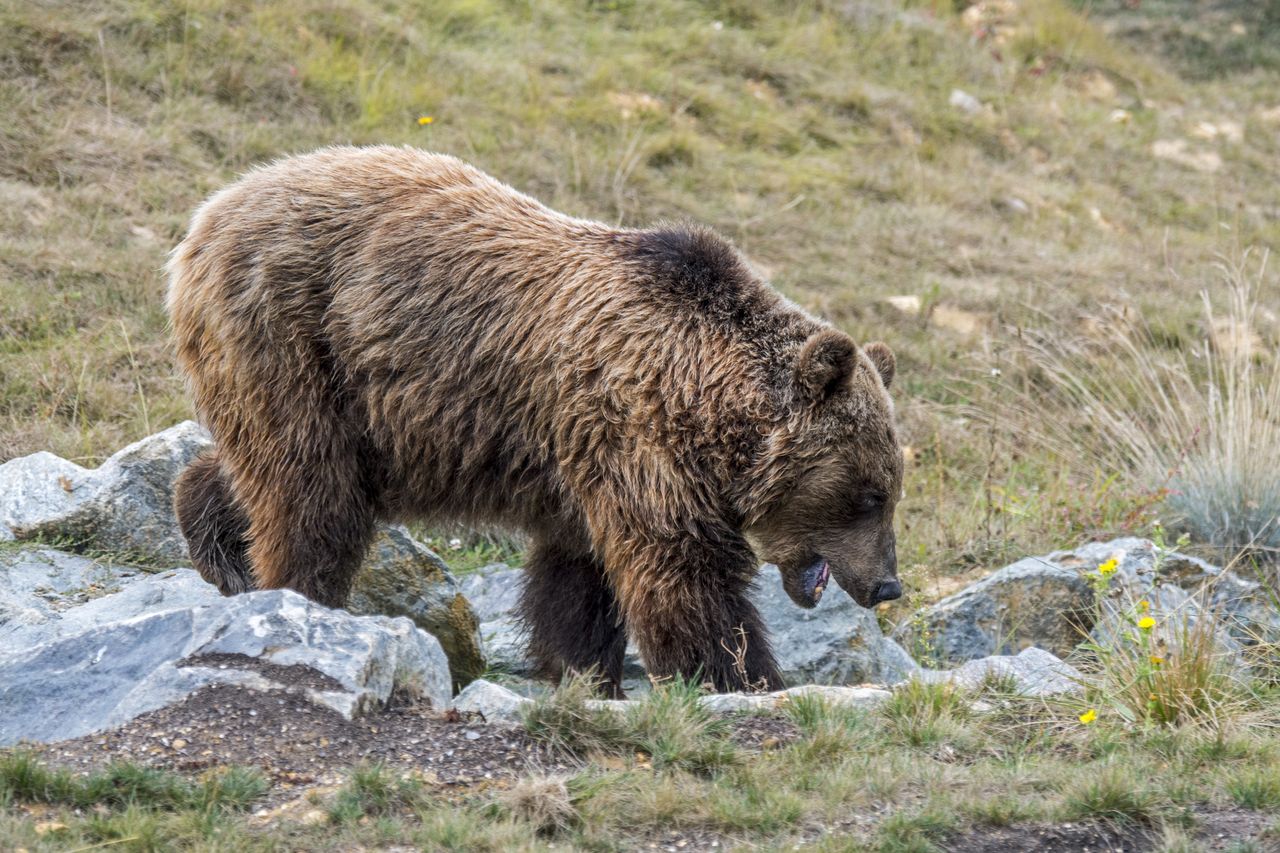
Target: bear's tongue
{"points": [[816, 579]]}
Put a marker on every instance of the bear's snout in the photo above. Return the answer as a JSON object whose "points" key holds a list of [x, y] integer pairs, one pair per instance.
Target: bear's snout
{"points": [[888, 591]]}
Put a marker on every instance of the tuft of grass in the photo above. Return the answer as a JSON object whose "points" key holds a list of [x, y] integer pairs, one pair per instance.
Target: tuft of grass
{"points": [[828, 731], [545, 802], [373, 791], [1115, 794], [566, 719], [1256, 788], [923, 714], [23, 779], [674, 728], [669, 726], [913, 832]]}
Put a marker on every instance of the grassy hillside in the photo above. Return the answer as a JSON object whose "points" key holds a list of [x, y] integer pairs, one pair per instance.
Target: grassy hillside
{"points": [[1078, 169]]}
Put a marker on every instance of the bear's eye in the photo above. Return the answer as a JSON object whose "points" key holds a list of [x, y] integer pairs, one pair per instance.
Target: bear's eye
{"points": [[867, 503]]}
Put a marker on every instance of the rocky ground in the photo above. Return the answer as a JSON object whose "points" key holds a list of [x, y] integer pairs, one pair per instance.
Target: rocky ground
{"points": [[114, 651]]}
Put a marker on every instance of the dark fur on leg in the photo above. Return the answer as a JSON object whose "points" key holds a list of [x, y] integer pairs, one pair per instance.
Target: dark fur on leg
{"points": [[700, 623], [572, 616], [214, 525]]}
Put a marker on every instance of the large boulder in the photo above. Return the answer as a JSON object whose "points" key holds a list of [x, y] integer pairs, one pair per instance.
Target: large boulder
{"points": [[402, 577], [1033, 602], [1052, 603], [76, 661], [837, 642], [1177, 588], [125, 506]]}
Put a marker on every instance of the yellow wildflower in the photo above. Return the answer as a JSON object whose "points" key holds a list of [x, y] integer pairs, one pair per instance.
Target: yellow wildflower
{"points": [[1088, 716], [1108, 568], [1146, 623], [1156, 660], [423, 120], [1144, 605]]}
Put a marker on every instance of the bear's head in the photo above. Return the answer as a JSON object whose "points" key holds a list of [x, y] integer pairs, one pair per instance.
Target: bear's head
{"points": [[829, 475]]}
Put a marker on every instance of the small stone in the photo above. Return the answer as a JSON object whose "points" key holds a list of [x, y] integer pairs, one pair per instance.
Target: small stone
{"points": [[963, 101]]}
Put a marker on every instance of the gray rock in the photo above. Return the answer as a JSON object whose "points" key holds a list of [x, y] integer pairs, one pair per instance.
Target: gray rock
{"points": [[837, 642], [92, 671], [55, 595], [494, 593], [1032, 672], [1247, 608], [402, 577], [36, 487], [1033, 602], [492, 701], [964, 102], [125, 506]]}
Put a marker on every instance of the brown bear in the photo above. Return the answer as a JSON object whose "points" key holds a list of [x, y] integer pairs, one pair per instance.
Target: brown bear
{"points": [[383, 333]]}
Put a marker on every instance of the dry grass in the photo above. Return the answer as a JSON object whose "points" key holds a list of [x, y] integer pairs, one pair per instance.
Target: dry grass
{"points": [[1194, 425]]}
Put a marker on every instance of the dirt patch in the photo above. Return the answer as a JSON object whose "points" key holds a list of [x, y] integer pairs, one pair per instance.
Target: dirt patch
{"points": [[300, 745], [759, 733]]}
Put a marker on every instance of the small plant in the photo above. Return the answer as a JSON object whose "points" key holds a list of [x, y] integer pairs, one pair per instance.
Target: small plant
{"points": [[543, 801], [1157, 669], [1256, 788]]}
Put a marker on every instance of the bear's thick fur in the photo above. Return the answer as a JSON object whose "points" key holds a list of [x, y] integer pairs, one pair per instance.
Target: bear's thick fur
{"points": [[383, 333]]}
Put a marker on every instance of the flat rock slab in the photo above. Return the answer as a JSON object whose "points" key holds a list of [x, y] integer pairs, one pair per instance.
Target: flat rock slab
{"points": [[1031, 672], [497, 704], [66, 673]]}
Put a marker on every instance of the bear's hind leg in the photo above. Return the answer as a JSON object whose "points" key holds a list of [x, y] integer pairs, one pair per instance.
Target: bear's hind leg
{"points": [[310, 530], [213, 524], [572, 616], [306, 483]]}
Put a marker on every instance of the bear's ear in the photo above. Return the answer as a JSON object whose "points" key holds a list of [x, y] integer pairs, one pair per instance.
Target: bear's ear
{"points": [[882, 357], [826, 362]]}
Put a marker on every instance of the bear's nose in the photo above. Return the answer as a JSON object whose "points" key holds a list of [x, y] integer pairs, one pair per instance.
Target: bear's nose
{"points": [[888, 591]]}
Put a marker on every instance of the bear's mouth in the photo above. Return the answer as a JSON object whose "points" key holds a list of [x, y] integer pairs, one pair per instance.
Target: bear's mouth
{"points": [[815, 580]]}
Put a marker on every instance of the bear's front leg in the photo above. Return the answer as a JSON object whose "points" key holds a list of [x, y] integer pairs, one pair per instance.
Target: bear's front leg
{"points": [[687, 608]]}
